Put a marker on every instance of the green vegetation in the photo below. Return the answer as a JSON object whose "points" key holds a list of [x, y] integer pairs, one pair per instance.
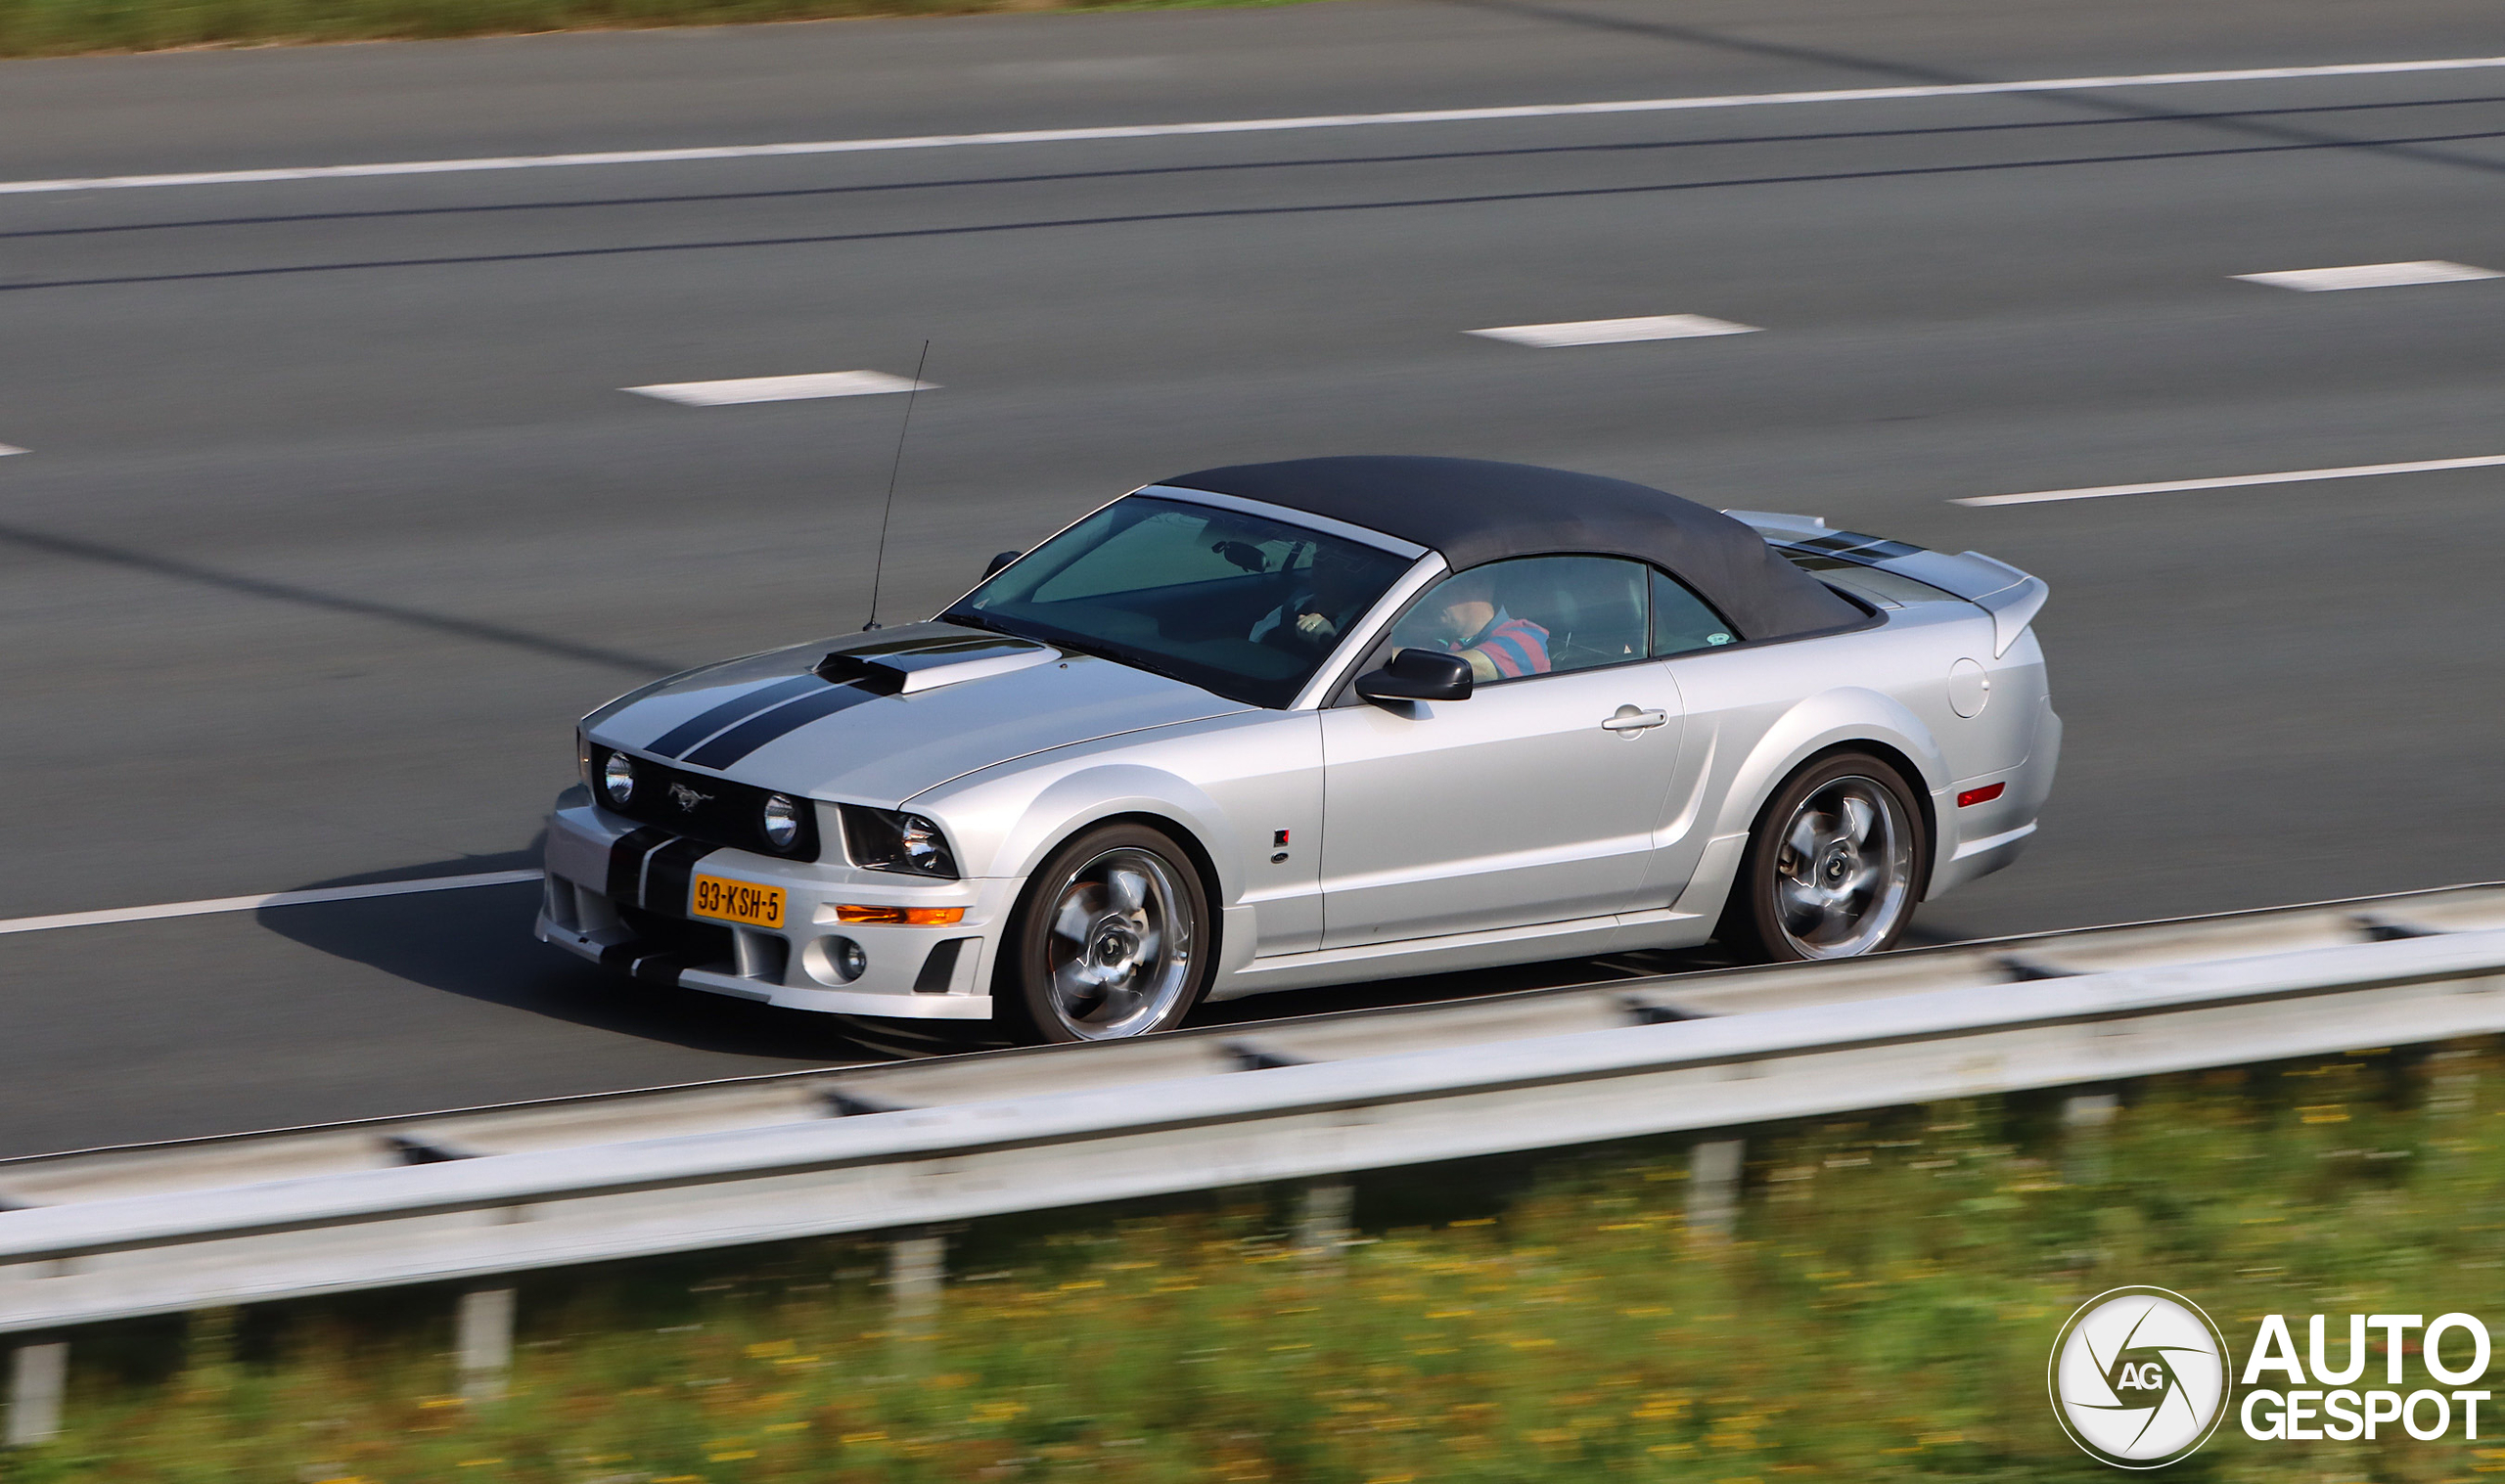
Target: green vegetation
{"points": [[1884, 1312], [55, 28]]}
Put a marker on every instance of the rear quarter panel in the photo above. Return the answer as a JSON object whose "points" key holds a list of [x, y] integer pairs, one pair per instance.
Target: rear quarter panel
{"points": [[1756, 715]]}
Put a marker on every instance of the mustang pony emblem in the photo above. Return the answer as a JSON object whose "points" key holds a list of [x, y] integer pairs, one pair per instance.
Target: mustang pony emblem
{"points": [[688, 798]]}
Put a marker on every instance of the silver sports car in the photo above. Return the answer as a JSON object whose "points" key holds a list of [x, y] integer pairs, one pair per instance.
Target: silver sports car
{"points": [[1279, 725]]}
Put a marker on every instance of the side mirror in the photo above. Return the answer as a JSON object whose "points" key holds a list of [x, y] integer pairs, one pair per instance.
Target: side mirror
{"points": [[992, 567], [1418, 675]]}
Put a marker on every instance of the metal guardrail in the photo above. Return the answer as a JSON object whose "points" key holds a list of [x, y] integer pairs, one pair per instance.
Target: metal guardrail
{"points": [[990, 1135]]}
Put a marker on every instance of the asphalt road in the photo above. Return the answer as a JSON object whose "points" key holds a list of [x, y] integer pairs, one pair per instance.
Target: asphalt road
{"points": [[333, 517]]}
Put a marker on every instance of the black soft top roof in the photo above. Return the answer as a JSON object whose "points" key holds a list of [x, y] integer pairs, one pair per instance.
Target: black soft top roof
{"points": [[1475, 511]]}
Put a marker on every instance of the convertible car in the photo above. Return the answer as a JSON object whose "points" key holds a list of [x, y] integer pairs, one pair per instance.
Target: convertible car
{"points": [[1287, 723]]}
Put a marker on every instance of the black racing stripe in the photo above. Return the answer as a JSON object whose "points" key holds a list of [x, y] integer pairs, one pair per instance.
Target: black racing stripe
{"points": [[688, 733], [791, 716], [666, 876], [626, 861], [1854, 544]]}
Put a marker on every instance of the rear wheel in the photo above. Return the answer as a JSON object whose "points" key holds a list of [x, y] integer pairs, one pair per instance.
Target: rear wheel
{"points": [[1111, 941], [1833, 866]]}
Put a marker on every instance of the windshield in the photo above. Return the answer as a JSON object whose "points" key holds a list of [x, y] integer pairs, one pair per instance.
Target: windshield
{"points": [[1235, 603]]}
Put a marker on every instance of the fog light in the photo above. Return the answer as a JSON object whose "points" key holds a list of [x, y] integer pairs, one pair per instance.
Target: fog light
{"points": [[781, 821], [617, 777], [849, 961]]}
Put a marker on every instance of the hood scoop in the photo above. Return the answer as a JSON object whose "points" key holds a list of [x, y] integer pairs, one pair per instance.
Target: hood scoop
{"points": [[906, 666]]}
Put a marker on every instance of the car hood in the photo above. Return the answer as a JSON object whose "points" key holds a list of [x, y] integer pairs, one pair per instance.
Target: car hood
{"points": [[879, 717]]}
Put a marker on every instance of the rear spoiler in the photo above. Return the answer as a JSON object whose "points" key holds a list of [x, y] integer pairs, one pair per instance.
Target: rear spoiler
{"points": [[2013, 597]]}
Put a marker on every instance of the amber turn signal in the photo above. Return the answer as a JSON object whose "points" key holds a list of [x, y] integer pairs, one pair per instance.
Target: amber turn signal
{"points": [[909, 917]]}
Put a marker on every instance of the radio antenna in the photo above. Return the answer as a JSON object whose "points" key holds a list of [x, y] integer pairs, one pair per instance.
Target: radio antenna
{"points": [[879, 567]]}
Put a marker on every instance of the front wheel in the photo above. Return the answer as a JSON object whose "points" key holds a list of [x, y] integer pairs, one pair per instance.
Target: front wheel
{"points": [[1110, 939], [1833, 866]]}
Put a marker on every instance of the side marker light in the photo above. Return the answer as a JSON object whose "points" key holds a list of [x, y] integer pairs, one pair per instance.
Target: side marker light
{"points": [[1982, 795]]}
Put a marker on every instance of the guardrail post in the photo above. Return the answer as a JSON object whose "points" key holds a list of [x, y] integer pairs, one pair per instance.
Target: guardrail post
{"points": [[1323, 1208], [2087, 1119], [483, 1345], [37, 1376], [1714, 1170], [917, 1268]]}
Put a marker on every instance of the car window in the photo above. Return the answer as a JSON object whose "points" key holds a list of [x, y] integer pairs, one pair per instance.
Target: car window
{"points": [[1239, 604], [1532, 615], [1682, 622], [1170, 547]]}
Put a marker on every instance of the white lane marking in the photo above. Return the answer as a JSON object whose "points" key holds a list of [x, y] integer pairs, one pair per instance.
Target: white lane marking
{"points": [[6, 449], [271, 899], [2237, 481], [1651, 327], [1246, 126], [2371, 276], [824, 383]]}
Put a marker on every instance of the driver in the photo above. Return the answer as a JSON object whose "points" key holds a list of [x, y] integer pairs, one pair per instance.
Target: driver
{"points": [[1463, 616], [1314, 615]]}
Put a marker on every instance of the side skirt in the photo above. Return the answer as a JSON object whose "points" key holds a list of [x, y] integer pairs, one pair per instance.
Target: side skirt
{"points": [[1579, 938]]}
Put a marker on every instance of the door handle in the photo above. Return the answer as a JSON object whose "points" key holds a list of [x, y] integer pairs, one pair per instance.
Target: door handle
{"points": [[1628, 721]]}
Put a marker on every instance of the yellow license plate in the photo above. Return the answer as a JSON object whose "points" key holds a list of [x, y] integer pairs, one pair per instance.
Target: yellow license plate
{"points": [[739, 902]]}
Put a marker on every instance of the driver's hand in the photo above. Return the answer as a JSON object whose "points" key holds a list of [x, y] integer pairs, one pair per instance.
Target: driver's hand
{"points": [[1315, 626]]}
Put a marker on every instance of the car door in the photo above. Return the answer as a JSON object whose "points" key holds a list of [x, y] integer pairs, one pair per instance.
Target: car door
{"points": [[1535, 800], [1688, 636]]}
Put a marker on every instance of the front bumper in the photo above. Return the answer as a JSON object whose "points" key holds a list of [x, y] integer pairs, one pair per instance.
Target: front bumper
{"points": [[620, 894]]}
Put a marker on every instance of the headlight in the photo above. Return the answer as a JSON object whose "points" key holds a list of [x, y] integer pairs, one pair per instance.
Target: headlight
{"points": [[781, 821], [618, 779], [925, 850], [884, 839]]}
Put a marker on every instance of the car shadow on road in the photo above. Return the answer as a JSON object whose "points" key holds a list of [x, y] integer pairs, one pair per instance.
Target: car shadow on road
{"points": [[1468, 984], [475, 942]]}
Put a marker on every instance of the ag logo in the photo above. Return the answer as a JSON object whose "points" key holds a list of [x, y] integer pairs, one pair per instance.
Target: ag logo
{"points": [[2139, 1378]]}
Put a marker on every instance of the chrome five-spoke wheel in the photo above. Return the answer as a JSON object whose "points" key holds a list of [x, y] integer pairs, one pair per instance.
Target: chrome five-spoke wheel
{"points": [[1111, 944], [1845, 876], [1834, 867]]}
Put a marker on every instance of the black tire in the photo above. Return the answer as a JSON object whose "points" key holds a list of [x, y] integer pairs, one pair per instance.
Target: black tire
{"points": [[1112, 938], [1801, 893]]}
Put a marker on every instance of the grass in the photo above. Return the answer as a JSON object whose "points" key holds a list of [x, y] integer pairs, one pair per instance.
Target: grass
{"points": [[59, 27], [1884, 1312]]}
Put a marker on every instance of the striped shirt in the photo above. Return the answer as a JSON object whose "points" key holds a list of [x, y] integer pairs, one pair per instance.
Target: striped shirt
{"points": [[1507, 648]]}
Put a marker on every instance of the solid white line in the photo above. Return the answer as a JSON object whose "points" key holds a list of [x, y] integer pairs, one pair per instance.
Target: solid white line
{"points": [[2237, 482], [6, 449], [271, 899], [1651, 327], [1246, 125], [799, 388], [2371, 276]]}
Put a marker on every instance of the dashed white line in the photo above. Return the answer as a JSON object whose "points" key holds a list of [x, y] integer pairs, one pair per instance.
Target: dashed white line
{"points": [[6, 449], [1246, 126], [2237, 481], [2371, 276], [799, 388], [215, 905], [1649, 327]]}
